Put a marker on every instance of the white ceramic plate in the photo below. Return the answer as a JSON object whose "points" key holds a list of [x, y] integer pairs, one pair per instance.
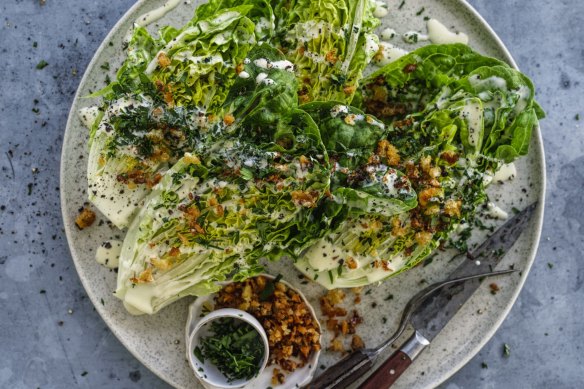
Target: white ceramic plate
{"points": [[157, 341]]}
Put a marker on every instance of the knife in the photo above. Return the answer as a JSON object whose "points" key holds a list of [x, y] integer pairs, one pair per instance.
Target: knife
{"points": [[430, 317]]}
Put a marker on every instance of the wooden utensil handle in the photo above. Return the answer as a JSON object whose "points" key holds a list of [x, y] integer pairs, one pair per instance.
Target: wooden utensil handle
{"points": [[344, 372], [388, 372]]}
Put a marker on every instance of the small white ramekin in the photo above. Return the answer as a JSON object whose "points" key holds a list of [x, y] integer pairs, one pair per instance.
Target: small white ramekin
{"points": [[207, 372]]}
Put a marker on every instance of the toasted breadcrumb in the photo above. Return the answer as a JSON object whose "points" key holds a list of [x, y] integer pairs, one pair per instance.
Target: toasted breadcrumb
{"points": [[163, 60], [85, 218]]}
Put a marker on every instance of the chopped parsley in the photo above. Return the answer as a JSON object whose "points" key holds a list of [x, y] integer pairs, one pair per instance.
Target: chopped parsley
{"points": [[234, 347], [270, 288], [506, 350], [41, 65]]}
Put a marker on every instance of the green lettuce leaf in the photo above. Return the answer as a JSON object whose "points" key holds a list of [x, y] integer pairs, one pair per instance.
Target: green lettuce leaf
{"points": [[261, 14], [213, 217], [415, 80], [191, 67], [453, 117], [330, 42]]}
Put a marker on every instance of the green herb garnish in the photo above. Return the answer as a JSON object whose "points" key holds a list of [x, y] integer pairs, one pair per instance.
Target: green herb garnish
{"points": [[270, 288], [234, 347], [41, 65], [506, 350]]}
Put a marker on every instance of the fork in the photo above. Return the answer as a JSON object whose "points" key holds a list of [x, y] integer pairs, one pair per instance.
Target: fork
{"points": [[352, 367]]}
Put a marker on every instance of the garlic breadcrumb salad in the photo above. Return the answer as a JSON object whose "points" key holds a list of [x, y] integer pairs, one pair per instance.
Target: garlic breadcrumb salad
{"points": [[258, 131]]}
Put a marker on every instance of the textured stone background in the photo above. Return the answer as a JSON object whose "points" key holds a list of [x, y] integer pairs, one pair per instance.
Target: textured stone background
{"points": [[50, 335]]}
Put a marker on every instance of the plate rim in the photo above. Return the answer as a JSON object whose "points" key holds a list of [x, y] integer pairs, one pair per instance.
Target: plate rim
{"points": [[538, 217]]}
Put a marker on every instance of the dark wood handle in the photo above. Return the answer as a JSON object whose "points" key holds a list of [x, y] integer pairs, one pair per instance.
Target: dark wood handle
{"points": [[388, 372], [344, 372]]}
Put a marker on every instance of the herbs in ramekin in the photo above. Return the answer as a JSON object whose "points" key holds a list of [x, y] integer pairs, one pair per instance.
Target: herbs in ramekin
{"points": [[234, 347]]}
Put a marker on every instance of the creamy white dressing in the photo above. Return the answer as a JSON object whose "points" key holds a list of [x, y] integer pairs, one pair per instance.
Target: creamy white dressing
{"points": [[388, 34], [506, 172], [387, 54], [371, 45], [439, 34], [261, 63], [337, 109], [263, 24], [493, 82], [388, 181], [88, 115], [461, 227], [157, 13], [414, 37], [380, 9], [108, 253], [260, 78], [243, 74], [472, 112], [495, 212], [281, 65]]}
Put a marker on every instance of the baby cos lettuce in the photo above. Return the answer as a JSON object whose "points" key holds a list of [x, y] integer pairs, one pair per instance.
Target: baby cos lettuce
{"points": [[453, 116], [247, 194], [251, 133], [330, 42], [193, 66]]}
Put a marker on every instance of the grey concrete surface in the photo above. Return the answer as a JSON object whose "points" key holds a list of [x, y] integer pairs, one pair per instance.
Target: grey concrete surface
{"points": [[50, 335]]}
